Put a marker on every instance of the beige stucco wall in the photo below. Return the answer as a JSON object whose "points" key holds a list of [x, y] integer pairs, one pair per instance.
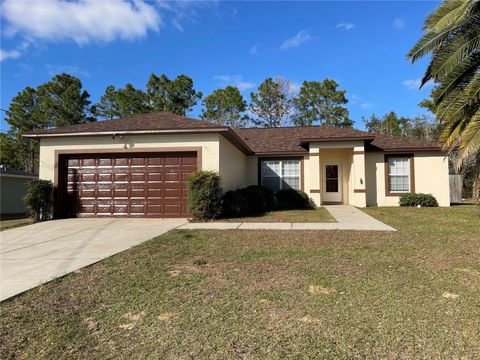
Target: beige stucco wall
{"points": [[209, 144], [233, 166], [431, 177]]}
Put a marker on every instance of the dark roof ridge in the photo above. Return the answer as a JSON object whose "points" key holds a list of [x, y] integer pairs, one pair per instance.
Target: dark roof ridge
{"points": [[298, 127]]}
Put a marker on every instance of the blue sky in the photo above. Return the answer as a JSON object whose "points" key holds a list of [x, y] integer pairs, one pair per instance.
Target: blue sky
{"points": [[362, 45]]}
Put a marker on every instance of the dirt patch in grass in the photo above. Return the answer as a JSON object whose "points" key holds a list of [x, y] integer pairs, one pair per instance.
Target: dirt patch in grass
{"points": [[409, 294]]}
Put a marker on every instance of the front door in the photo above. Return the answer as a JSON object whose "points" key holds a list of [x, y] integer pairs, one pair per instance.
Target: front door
{"points": [[332, 182]]}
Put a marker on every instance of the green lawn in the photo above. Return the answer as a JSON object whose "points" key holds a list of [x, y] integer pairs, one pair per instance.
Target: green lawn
{"points": [[306, 215], [267, 294], [13, 223]]}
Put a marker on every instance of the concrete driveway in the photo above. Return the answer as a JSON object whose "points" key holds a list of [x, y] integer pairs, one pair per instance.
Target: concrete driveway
{"points": [[34, 254]]}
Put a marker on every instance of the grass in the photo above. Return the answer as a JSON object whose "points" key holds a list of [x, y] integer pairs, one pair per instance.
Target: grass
{"points": [[13, 223], [305, 215], [267, 294]]}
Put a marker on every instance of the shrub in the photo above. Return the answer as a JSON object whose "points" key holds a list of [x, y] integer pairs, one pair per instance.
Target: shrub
{"points": [[39, 199], [205, 195], [292, 199], [234, 204], [424, 200], [255, 200], [271, 202]]}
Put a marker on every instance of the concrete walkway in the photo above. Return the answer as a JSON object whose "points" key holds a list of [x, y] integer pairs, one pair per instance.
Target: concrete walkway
{"points": [[348, 218], [34, 254]]}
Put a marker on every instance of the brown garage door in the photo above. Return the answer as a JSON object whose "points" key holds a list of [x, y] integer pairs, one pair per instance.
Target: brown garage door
{"points": [[145, 185]]}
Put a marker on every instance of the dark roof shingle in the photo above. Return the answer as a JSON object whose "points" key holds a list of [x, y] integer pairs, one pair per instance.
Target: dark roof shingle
{"points": [[145, 122], [289, 139], [393, 143]]}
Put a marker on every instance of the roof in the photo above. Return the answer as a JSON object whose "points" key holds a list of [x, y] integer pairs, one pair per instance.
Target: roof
{"points": [[11, 172], [151, 122], [291, 139], [393, 143], [249, 140]]}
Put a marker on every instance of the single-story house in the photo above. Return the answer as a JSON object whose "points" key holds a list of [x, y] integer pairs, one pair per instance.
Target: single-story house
{"points": [[13, 188], [139, 165]]}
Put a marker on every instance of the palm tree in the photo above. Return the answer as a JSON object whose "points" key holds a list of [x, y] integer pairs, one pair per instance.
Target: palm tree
{"points": [[452, 36]]}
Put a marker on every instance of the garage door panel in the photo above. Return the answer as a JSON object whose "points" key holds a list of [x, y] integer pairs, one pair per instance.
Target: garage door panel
{"points": [[120, 176], [138, 161], [156, 161], [87, 162], [155, 176], [173, 193], [86, 193], [173, 209], [120, 162], [150, 184], [105, 177], [172, 176], [107, 162], [138, 175], [155, 193]]}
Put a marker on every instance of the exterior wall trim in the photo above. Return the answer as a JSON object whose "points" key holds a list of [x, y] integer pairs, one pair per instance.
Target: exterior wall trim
{"points": [[412, 173]]}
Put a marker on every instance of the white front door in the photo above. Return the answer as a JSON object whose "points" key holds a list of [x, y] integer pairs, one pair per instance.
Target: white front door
{"points": [[332, 182]]}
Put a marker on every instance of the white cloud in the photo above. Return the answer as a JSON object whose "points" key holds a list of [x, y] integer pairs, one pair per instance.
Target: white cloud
{"points": [[399, 23], [9, 54], [82, 21], [254, 49], [346, 25], [235, 80], [301, 38], [14, 53], [412, 84], [366, 105], [359, 101]]}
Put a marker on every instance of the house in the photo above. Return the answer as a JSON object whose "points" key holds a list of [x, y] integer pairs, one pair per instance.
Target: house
{"points": [[13, 188], [139, 165]]}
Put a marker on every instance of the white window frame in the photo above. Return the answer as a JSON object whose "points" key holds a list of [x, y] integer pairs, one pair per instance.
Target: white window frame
{"points": [[407, 173], [281, 176]]}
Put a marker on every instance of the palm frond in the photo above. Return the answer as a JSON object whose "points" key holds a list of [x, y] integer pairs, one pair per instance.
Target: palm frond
{"points": [[461, 74], [449, 12], [451, 132], [470, 142], [428, 43], [457, 103], [445, 61]]}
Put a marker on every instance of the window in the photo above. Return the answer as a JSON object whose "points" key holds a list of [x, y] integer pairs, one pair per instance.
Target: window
{"points": [[399, 177], [280, 174]]}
